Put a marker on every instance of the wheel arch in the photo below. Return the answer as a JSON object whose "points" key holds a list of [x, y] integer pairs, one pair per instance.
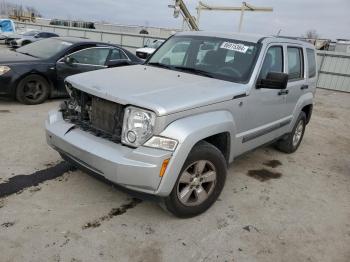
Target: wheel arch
{"points": [[221, 141], [217, 128], [33, 72], [307, 109], [304, 104]]}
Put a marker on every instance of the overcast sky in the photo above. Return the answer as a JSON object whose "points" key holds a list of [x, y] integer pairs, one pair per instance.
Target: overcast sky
{"points": [[330, 18]]}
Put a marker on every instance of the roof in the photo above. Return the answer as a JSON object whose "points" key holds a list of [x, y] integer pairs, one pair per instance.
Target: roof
{"points": [[74, 40], [243, 37], [77, 40], [254, 38]]}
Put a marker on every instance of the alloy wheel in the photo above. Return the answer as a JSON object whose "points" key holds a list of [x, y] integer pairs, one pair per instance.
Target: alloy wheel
{"points": [[196, 183], [33, 90], [298, 133]]}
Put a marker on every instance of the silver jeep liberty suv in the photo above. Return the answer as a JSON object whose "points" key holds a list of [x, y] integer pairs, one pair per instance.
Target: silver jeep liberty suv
{"points": [[172, 126]]}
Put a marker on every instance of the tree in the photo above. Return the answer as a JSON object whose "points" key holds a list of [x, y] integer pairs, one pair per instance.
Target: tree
{"points": [[7, 8], [311, 34]]}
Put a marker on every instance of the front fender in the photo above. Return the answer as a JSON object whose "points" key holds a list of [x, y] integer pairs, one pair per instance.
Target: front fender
{"points": [[189, 131]]}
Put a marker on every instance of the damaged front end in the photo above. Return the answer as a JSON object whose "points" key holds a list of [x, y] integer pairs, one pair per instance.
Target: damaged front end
{"points": [[98, 116]]}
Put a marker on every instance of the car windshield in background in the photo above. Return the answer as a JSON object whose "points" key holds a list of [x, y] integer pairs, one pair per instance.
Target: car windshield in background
{"points": [[44, 49], [220, 58], [30, 33], [155, 44]]}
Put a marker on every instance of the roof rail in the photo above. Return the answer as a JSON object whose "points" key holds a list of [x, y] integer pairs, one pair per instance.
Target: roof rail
{"points": [[291, 37]]}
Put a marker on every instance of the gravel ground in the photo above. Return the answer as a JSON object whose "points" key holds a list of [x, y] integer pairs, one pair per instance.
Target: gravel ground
{"points": [[302, 213]]}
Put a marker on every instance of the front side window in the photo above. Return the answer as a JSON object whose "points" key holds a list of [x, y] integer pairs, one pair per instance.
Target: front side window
{"points": [[295, 63], [311, 62], [225, 59], [91, 56], [273, 61]]}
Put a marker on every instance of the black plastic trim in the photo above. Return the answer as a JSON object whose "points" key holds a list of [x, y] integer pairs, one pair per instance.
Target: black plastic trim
{"points": [[265, 131], [239, 96]]}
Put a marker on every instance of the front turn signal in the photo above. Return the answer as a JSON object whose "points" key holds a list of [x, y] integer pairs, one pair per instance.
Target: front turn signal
{"points": [[164, 166]]}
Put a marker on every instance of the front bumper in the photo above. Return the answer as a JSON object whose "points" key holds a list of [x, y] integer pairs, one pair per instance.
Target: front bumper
{"points": [[8, 83], [15, 44], [137, 169]]}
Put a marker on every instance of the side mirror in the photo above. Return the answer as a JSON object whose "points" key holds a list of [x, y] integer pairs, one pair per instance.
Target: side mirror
{"points": [[274, 80], [68, 60], [119, 62]]}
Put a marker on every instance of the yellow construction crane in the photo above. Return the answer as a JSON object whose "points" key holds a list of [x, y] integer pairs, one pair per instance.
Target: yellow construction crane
{"points": [[181, 8], [244, 7]]}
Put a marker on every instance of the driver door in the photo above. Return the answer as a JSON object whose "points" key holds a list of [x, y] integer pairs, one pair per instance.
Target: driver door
{"points": [[85, 60], [262, 113]]}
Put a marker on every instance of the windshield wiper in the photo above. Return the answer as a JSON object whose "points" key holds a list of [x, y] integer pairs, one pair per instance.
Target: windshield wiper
{"points": [[160, 65], [194, 71], [182, 68]]}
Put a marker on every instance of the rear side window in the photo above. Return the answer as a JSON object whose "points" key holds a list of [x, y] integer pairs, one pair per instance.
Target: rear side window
{"points": [[311, 62], [295, 63], [273, 61], [117, 54]]}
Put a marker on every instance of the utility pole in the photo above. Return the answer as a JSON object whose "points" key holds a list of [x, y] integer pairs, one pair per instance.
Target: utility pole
{"points": [[181, 8], [244, 7]]}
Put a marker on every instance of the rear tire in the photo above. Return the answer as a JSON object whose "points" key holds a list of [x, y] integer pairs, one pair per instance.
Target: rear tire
{"points": [[292, 141], [200, 182], [32, 90]]}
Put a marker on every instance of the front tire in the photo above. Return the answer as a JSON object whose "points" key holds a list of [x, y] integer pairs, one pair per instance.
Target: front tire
{"points": [[292, 141], [200, 182], [32, 90]]}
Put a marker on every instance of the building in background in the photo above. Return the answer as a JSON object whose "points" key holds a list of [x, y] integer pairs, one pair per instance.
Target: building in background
{"points": [[342, 45]]}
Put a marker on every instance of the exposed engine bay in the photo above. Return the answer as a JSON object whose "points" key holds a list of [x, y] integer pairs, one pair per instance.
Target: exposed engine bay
{"points": [[98, 116]]}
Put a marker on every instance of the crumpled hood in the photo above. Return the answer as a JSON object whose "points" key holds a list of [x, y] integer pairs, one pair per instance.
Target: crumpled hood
{"points": [[161, 90]]}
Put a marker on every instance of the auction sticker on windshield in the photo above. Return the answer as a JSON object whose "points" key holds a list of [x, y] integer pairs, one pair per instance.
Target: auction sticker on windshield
{"points": [[234, 47]]}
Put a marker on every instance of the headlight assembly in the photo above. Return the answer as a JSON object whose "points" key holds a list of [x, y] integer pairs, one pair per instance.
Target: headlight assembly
{"points": [[4, 70], [138, 126], [68, 88]]}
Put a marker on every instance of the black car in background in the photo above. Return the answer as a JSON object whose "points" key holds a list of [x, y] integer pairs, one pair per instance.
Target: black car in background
{"points": [[35, 72]]}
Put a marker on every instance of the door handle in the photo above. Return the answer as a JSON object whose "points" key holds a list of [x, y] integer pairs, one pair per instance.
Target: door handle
{"points": [[304, 87], [283, 92]]}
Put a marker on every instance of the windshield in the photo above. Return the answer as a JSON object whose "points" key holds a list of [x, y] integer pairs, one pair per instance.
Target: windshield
{"points": [[44, 49], [30, 33], [226, 59]]}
